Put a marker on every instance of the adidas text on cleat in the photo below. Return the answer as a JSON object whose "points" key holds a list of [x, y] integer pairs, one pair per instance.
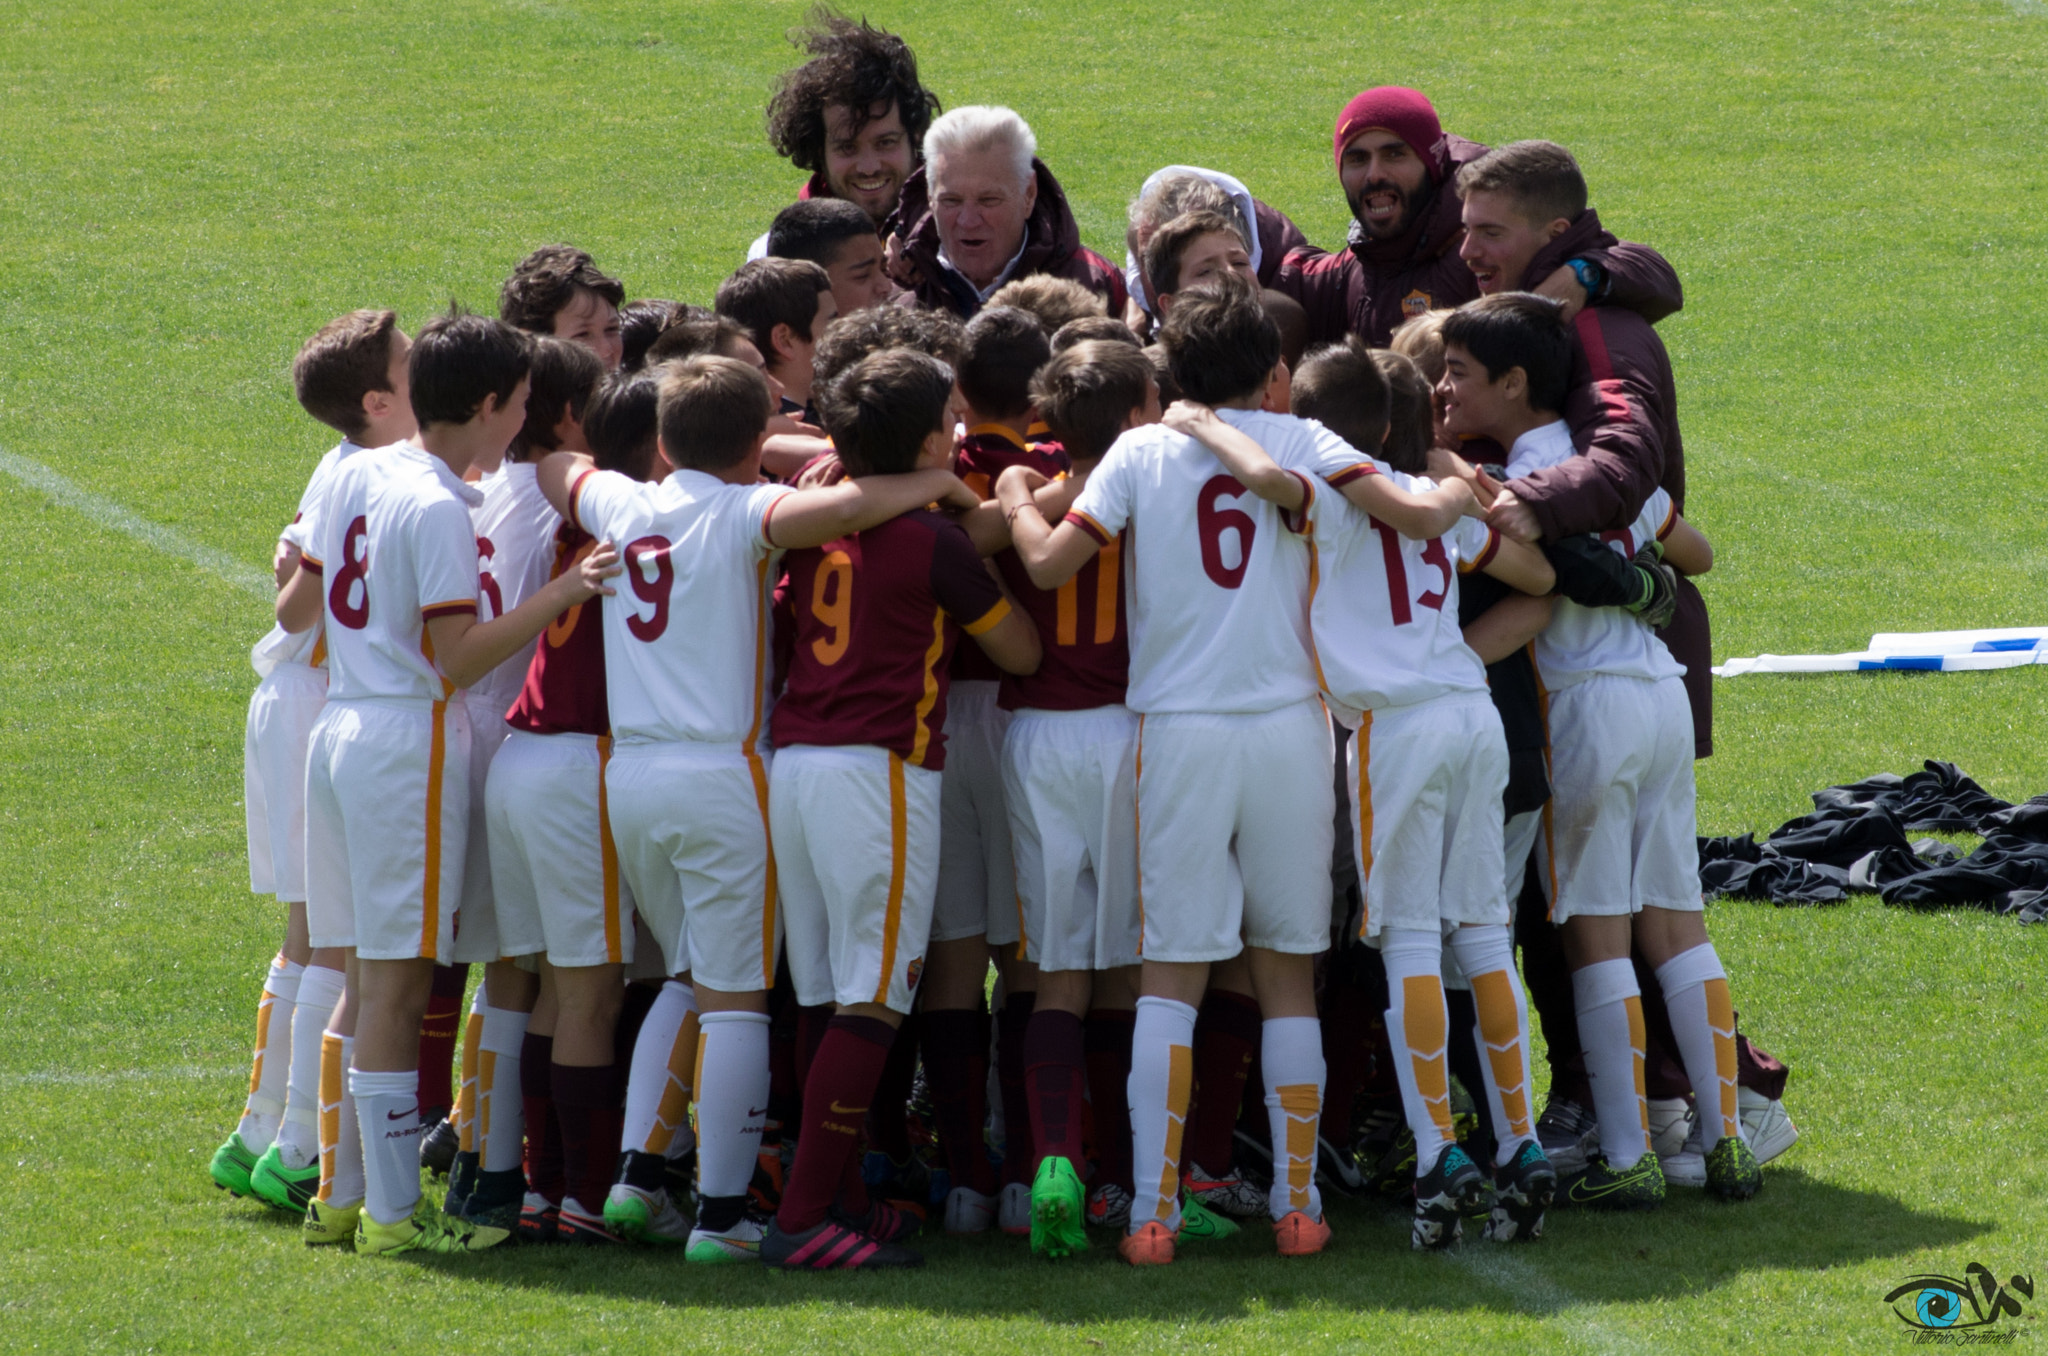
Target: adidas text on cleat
{"points": [[1058, 1209], [1733, 1173], [969, 1212], [1150, 1246], [1766, 1126], [1599, 1187], [232, 1164], [1296, 1235], [494, 1199], [1226, 1193], [1522, 1191], [577, 1225], [833, 1245], [439, 1145], [1109, 1207], [327, 1224], [539, 1219], [740, 1243], [423, 1231], [288, 1189], [1444, 1196], [645, 1216], [1013, 1210], [1200, 1224]]}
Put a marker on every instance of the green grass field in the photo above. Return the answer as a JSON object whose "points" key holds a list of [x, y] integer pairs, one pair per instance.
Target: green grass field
{"points": [[1850, 191]]}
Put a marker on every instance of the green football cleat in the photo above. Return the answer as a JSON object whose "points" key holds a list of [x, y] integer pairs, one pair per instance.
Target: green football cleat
{"points": [[289, 1189], [1200, 1224], [1059, 1210], [232, 1163], [425, 1230], [327, 1224], [1732, 1170], [1599, 1187]]}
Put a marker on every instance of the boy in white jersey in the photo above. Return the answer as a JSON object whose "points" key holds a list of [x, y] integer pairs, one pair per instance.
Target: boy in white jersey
{"points": [[687, 663], [1428, 765], [1235, 803], [1618, 846], [391, 573], [350, 376]]}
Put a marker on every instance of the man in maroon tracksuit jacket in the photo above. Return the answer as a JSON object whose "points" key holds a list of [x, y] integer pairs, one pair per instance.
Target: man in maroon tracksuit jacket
{"points": [[1396, 165], [984, 210]]}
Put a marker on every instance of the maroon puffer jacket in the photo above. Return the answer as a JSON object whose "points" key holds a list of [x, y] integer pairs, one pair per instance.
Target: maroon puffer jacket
{"points": [[1052, 244]]}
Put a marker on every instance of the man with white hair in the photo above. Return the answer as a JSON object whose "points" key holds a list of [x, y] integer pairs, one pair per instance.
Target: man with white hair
{"points": [[982, 211]]}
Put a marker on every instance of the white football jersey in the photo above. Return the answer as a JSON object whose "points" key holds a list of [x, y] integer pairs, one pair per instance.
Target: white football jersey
{"points": [[1583, 641], [515, 548], [1216, 578], [686, 637], [1384, 607], [281, 646], [393, 547]]}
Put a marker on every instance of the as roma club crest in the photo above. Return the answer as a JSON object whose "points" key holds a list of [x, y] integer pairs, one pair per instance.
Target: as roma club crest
{"points": [[1415, 303]]}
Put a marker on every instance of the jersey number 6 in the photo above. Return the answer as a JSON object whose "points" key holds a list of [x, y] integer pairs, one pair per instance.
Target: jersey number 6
{"points": [[1211, 522]]}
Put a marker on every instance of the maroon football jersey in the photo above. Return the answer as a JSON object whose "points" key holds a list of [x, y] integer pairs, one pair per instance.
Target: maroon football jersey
{"points": [[1087, 653], [564, 692], [985, 453], [877, 617]]}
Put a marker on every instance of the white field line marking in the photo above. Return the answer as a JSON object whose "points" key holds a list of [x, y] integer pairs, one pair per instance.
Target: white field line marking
{"points": [[1537, 1295], [72, 1078], [110, 514]]}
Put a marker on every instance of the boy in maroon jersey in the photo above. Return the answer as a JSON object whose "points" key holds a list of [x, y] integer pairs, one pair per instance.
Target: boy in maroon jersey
{"points": [[854, 791], [975, 913]]}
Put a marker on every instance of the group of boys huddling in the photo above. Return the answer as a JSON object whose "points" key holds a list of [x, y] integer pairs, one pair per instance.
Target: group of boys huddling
{"points": [[737, 685]]}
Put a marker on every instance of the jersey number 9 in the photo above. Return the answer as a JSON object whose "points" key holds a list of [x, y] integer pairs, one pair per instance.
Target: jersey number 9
{"points": [[652, 589]]}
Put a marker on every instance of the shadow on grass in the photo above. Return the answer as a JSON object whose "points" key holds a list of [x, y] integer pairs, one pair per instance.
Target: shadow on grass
{"points": [[1690, 1246]]}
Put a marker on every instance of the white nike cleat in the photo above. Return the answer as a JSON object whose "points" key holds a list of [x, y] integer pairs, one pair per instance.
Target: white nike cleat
{"points": [[969, 1212], [1013, 1209], [1766, 1125]]}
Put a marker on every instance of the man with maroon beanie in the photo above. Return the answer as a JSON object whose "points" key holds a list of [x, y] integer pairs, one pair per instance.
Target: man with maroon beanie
{"points": [[1396, 163]]}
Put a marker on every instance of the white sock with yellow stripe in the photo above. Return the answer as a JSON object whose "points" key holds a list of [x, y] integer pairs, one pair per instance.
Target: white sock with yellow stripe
{"points": [[500, 1114], [1610, 1011], [1418, 1030], [1161, 1084], [341, 1140], [1291, 1061], [270, 1069], [298, 1137], [1703, 1023], [463, 1113], [660, 1086], [732, 1100], [1487, 957]]}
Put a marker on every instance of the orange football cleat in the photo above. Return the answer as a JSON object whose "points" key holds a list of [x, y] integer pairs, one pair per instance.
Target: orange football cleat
{"points": [[1299, 1236], [1151, 1246]]}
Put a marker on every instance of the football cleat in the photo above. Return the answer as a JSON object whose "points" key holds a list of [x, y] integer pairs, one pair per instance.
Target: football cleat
{"points": [[969, 1212], [1522, 1191], [232, 1163], [539, 1219], [1013, 1210], [1151, 1246], [1225, 1194], [1058, 1210], [1688, 1166], [1296, 1235], [764, 1193], [1385, 1151], [1569, 1135], [439, 1145], [1599, 1187], [1670, 1123], [887, 1222], [576, 1225], [495, 1200], [1733, 1173], [679, 1176], [909, 1180], [1765, 1125], [1109, 1207], [833, 1245], [289, 1189], [462, 1170], [329, 1224], [425, 1230], [1200, 1224], [1337, 1169], [741, 1243], [645, 1216], [1451, 1190]]}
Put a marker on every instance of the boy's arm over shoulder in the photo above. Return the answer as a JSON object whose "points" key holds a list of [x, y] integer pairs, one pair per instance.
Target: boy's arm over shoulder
{"points": [[1053, 553], [1686, 548], [813, 517], [1614, 410], [973, 597], [1242, 456]]}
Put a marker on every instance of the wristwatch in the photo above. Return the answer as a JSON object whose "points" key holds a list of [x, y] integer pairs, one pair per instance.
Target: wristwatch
{"points": [[1591, 276]]}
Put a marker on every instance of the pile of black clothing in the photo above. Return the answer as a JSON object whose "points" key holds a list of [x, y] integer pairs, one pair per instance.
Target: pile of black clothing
{"points": [[1856, 841]]}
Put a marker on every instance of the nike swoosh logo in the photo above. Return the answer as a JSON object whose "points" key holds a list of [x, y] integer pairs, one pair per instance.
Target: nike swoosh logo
{"points": [[839, 1110], [1580, 1192], [401, 1115], [762, 1111]]}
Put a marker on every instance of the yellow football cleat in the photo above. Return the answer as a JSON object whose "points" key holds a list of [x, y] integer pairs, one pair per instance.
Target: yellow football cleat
{"points": [[425, 1230], [329, 1224]]}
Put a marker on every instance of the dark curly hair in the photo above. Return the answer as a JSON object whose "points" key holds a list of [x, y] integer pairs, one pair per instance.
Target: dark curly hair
{"points": [[852, 63]]}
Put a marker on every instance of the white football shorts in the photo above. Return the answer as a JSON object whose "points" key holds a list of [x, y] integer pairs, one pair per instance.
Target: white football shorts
{"points": [[553, 867], [977, 891], [477, 934], [1071, 781], [274, 738]]}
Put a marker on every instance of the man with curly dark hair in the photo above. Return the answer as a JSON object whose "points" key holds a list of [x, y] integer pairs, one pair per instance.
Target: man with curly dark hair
{"points": [[854, 115]]}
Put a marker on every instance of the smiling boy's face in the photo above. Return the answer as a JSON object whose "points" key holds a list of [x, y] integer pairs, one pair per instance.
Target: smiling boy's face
{"points": [[1474, 404]]}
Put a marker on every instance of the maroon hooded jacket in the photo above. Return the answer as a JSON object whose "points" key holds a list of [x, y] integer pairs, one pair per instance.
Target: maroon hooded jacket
{"points": [[1052, 244], [1371, 286]]}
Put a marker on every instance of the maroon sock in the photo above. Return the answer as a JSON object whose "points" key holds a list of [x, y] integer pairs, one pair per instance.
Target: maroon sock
{"points": [[810, 1033], [836, 1096], [587, 1105], [1107, 1034], [956, 1068], [440, 1030], [1226, 1034], [1020, 1159], [1347, 1055], [633, 1009], [1055, 1082], [888, 1119], [544, 1168]]}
